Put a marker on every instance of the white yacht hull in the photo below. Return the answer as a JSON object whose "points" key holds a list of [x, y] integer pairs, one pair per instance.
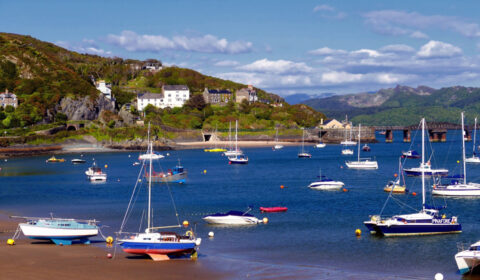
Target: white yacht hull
{"points": [[348, 143], [467, 260], [33, 231], [472, 160], [347, 152], [470, 189], [362, 164], [321, 145], [232, 153], [332, 185], [231, 220], [278, 147]]}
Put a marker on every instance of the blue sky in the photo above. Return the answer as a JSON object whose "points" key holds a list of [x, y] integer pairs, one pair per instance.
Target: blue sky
{"points": [[282, 46]]}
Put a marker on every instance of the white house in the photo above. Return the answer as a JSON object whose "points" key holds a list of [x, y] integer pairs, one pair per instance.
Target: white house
{"points": [[175, 95], [104, 88], [143, 99]]}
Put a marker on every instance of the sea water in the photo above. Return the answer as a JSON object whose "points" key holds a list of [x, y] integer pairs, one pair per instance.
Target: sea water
{"points": [[314, 239]]}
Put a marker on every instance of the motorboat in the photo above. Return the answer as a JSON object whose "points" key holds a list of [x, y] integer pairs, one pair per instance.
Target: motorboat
{"points": [[78, 161], [152, 155], [360, 163], [427, 221], [474, 158], [347, 152], [426, 169], [232, 218], [468, 260], [303, 153], [54, 159], [60, 231], [157, 244], [178, 174], [326, 184], [95, 173], [411, 154], [278, 147], [457, 188], [366, 148]]}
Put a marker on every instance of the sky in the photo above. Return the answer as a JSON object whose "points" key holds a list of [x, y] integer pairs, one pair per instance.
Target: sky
{"points": [[284, 47]]}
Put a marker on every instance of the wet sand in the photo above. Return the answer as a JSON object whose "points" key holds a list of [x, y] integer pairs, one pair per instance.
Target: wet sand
{"points": [[241, 144], [29, 259]]}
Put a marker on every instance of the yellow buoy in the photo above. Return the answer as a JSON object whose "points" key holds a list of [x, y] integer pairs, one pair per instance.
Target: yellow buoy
{"points": [[205, 171], [265, 220], [185, 223], [109, 240], [106, 166], [11, 242], [358, 232], [458, 161]]}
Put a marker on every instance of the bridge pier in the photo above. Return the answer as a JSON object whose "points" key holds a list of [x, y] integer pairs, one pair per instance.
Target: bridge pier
{"points": [[407, 135], [388, 135], [437, 135]]}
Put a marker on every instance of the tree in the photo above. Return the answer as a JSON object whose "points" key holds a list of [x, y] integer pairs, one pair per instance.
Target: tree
{"points": [[61, 118], [196, 101], [9, 109]]}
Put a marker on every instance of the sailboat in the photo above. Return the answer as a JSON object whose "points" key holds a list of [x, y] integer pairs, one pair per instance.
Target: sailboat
{"points": [[215, 149], [302, 153], [154, 243], [231, 151], [320, 144], [237, 158], [474, 158], [365, 163], [396, 186], [348, 142], [425, 222], [456, 188], [277, 145]]}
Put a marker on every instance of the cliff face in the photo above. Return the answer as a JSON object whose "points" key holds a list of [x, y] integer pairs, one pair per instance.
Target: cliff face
{"points": [[84, 108]]}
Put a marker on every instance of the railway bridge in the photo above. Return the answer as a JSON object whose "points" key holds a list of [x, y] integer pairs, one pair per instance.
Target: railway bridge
{"points": [[437, 131]]}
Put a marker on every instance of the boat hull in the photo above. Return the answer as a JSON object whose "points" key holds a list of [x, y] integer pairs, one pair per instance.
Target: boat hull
{"points": [[412, 229], [472, 160], [231, 220], [467, 261], [458, 190], [326, 185], [63, 236], [174, 178], [362, 164], [162, 248], [415, 172]]}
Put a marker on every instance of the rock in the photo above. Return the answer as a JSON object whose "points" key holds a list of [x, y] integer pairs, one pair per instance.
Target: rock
{"points": [[84, 108], [127, 117]]}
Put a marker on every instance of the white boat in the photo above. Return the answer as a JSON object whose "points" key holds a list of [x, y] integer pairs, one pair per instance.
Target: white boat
{"points": [[320, 145], [326, 184], [468, 260], [94, 173], [78, 161], [238, 158], [346, 151], [231, 151], [232, 218], [457, 188], [474, 158], [348, 142], [277, 146], [157, 244], [365, 163], [61, 231], [303, 153], [427, 221], [152, 155]]}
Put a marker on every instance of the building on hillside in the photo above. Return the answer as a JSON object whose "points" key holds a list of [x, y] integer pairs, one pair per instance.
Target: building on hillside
{"points": [[331, 124], [215, 96], [104, 88], [152, 65], [143, 99], [8, 98], [175, 95], [248, 93]]}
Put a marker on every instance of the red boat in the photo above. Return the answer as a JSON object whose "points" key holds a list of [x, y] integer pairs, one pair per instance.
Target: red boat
{"points": [[273, 209]]}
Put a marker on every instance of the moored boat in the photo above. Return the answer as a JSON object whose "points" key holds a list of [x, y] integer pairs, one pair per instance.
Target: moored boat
{"points": [[426, 169], [411, 154], [468, 260], [474, 158], [361, 163], [78, 161], [273, 209], [396, 186], [346, 151], [303, 153], [239, 157], [54, 159], [95, 173], [232, 218], [175, 175]]}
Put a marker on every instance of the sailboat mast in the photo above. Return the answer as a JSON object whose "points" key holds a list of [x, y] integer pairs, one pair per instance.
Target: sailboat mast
{"points": [[474, 135], [150, 147], [303, 140], [359, 129], [463, 152], [423, 164], [236, 136], [230, 135]]}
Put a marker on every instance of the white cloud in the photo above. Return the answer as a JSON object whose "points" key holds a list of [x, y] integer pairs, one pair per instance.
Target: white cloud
{"points": [[323, 8], [436, 49], [87, 46], [334, 77], [326, 51], [327, 11], [226, 63], [392, 22], [398, 48], [276, 66], [132, 41]]}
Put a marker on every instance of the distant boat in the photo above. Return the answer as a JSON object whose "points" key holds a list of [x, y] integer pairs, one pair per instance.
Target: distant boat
{"points": [[411, 154], [238, 158], [175, 175], [215, 149], [346, 151], [366, 148], [232, 218], [348, 142], [78, 161], [61, 231], [136, 163], [426, 168], [468, 260], [273, 209], [94, 173], [152, 155], [457, 188], [474, 158], [277, 145], [365, 163], [54, 159], [425, 222], [383, 132], [396, 186], [320, 144], [325, 184], [303, 153], [231, 151]]}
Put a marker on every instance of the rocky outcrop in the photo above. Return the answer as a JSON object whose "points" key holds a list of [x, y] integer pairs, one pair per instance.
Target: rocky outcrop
{"points": [[127, 117], [85, 108]]}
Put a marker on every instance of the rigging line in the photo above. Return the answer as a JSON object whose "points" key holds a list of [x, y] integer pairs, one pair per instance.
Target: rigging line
{"points": [[131, 199], [171, 196], [137, 194]]}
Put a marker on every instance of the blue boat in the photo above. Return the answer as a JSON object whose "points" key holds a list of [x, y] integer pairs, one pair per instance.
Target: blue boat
{"points": [[426, 222], [178, 174]]}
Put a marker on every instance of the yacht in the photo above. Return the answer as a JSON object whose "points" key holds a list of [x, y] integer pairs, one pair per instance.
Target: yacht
{"points": [[365, 163], [94, 173], [232, 218], [467, 260]]}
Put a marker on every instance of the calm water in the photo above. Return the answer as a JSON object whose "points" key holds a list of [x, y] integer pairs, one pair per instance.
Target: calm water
{"points": [[314, 238]]}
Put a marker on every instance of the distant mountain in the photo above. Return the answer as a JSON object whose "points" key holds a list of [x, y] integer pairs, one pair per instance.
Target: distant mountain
{"points": [[402, 105], [298, 98]]}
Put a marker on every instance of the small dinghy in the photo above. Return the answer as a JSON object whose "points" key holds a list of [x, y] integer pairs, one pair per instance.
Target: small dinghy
{"points": [[273, 209]]}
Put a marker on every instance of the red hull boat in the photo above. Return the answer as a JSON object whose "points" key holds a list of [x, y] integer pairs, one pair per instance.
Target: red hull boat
{"points": [[273, 209]]}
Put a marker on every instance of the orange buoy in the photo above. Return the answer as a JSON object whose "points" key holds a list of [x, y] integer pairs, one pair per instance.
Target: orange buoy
{"points": [[414, 193], [282, 187], [395, 175], [344, 190]]}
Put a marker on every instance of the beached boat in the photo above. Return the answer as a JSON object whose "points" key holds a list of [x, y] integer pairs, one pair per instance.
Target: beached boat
{"points": [[364, 163], [54, 159], [78, 161], [273, 209], [396, 186], [456, 188], [303, 153], [157, 244], [232, 218], [474, 158], [468, 260], [95, 173], [238, 158], [411, 154], [427, 221], [59, 230], [175, 175]]}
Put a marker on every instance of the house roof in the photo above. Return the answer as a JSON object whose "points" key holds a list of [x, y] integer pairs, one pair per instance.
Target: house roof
{"points": [[219, 91], [149, 95], [175, 87]]}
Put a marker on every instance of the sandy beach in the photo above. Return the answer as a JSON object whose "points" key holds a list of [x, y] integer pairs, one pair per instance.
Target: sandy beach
{"points": [[29, 259], [241, 144]]}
